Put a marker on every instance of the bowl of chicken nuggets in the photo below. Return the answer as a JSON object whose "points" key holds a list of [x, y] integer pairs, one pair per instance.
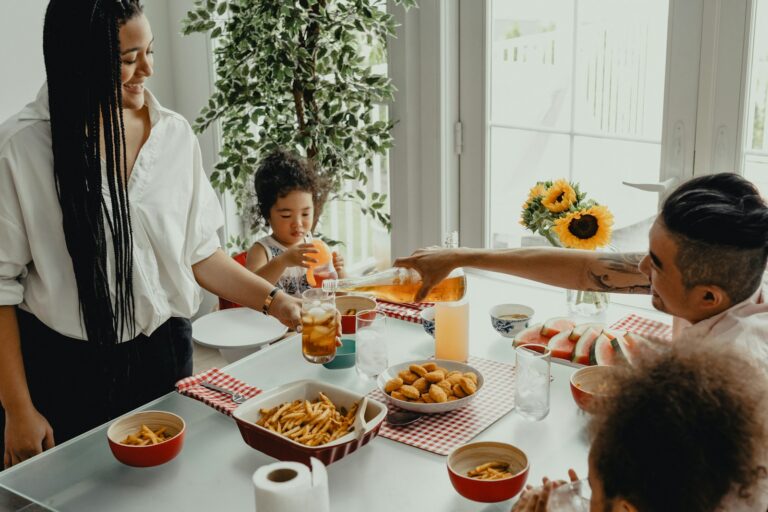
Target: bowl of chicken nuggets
{"points": [[308, 418], [146, 438], [430, 387], [488, 471]]}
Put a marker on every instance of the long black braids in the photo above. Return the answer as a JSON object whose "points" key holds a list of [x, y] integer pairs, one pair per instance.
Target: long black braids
{"points": [[82, 62]]}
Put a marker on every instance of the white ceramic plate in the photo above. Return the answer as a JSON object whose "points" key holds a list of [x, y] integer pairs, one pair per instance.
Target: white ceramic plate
{"points": [[392, 371], [236, 328]]}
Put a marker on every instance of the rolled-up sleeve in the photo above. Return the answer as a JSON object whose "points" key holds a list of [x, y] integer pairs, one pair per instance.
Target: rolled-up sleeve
{"points": [[205, 215], [14, 244]]}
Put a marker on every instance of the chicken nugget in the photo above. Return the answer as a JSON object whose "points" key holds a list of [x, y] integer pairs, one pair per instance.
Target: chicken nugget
{"points": [[393, 384], [458, 391], [446, 386], [437, 394], [408, 376], [427, 399], [435, 376], [471, 376], [410, 392], [418, 370], [444, 370], [430, 367], [398, 395], [468, 385], [455, 378], [451, 398], [421, 384], [451, 374]]}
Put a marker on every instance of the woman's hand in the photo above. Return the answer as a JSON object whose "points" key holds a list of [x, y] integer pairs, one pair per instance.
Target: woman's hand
{"points": [[299, 255], [27, 433], [287, 310], [434, 265]]}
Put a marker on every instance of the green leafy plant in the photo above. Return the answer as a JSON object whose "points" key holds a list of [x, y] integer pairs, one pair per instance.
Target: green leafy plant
{"points": [[291, 74]]}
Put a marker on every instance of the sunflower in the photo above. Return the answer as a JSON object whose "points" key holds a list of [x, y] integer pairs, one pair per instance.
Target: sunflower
{"points": [[585, 229], [537, 191], [559, 197]]}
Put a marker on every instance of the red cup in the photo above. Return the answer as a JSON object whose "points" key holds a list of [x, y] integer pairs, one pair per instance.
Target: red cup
{"points": [[468, 457], [151, 454]]}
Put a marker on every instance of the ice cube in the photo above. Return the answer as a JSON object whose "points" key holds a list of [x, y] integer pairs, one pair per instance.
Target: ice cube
{"points": [[317, 313]]}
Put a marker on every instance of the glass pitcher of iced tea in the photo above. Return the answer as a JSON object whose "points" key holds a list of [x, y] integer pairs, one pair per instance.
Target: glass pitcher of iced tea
{"points": [[318, 325]]}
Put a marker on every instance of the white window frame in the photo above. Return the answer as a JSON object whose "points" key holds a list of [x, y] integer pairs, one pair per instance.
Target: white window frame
{"points": [[705, 92]]}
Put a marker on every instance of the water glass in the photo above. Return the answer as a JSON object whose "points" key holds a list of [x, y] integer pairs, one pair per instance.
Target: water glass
{"points": [[370, 343], [318, 325], [532, 370], [572, 497]]}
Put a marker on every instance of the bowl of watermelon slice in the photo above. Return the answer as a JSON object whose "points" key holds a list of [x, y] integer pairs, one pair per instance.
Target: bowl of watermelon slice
{"points": [[587, 344]]}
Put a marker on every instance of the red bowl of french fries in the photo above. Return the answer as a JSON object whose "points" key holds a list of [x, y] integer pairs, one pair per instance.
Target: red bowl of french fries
{"points": [[487, 471], [349, 306], [146, 438], [305, 419]]}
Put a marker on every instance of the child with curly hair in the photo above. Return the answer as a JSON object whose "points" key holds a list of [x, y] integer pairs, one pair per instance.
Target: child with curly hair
{"points": [[290, 196]]}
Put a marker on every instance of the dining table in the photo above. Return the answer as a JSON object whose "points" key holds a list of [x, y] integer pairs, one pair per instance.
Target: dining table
{"points": [[214, 470]]}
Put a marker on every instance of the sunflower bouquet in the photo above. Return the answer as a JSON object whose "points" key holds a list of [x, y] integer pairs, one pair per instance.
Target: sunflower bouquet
{"points": [[562, 214]]}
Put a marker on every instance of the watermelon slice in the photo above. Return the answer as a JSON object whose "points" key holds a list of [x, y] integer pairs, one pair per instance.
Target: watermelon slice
{"points": [[602, 352], [580, 329], [530, 335], [631, 346], [584, 346], [561, 346], [556, 326]]}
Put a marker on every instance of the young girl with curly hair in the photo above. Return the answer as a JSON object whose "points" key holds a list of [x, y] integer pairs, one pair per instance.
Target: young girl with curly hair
{"points": [[290, 197]]}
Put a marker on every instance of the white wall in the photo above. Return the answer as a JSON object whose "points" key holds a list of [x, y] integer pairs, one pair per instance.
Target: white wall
{"points": [[21, 59]]}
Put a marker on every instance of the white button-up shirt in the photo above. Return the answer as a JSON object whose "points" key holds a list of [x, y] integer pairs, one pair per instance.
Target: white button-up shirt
{"points": [[174, 211]]}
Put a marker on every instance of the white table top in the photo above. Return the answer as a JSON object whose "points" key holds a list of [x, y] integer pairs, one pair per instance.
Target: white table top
{"points": [[213, 472]]}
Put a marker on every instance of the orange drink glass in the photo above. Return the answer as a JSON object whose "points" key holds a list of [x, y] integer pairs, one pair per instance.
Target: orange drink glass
{"points": [[318, 324]]}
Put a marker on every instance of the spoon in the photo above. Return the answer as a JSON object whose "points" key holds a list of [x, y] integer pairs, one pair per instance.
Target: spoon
{"points": [[360, 419], [400, 418]]}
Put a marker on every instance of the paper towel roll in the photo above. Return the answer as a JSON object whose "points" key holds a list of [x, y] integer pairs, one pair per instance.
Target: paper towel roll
{"points": [[290, 487]]}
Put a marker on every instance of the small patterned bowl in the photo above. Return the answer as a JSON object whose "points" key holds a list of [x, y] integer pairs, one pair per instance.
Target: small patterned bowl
{"points": [[510, 319], [428, 320]]}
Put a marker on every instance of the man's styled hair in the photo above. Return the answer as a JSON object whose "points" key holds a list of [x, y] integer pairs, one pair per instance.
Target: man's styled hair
{"points": [[720, 223], [683, 431], [81, 47]]}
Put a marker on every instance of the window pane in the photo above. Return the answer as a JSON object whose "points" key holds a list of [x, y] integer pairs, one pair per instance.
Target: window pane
{"points": [[577, 92], [519, 159], [531, 62], [756, 140]]}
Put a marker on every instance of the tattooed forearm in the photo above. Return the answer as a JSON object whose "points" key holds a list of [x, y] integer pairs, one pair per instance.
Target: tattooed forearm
{"points": [[618, 273]]}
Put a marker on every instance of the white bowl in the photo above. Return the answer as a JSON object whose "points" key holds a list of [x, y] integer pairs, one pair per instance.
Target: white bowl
{"points": [[392, 371], [509, 327]]}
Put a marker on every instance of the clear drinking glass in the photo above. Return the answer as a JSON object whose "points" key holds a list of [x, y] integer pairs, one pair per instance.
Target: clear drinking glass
{"points": [[572, 497], [532, 370], [370, 343], [318, 325]]}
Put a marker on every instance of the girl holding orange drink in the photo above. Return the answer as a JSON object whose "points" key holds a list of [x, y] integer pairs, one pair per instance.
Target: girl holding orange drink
{"points": [[289, 194]]}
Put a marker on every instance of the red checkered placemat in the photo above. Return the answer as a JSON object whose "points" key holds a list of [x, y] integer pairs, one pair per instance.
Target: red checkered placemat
{"points": [[441, 433], [408, 311], [220, 401], [644, 327]]}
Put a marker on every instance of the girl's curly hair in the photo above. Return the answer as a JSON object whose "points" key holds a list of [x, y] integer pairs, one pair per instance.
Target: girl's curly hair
{"points": [[279, 174], [683, 430]]}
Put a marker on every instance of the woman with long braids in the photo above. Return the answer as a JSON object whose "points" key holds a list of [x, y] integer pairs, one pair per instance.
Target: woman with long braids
{"points": [[107, 227]]}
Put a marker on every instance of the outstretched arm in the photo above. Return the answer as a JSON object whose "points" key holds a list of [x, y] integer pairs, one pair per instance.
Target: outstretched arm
{"points": [[565, 268]]}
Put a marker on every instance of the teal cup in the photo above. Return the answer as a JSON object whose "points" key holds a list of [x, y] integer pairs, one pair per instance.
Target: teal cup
{"points": [[345, 356]]}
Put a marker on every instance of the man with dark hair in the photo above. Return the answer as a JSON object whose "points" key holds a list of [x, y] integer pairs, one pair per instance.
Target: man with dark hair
{"points": [[685, 431], [706, 261]]}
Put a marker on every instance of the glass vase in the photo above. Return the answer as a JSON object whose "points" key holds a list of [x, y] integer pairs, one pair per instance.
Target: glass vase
{"points": [[586, 304]]}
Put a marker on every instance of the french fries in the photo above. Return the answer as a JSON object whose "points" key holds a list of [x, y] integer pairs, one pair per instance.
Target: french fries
{"points": [[146, 436], [494, 470], [309, 423]]}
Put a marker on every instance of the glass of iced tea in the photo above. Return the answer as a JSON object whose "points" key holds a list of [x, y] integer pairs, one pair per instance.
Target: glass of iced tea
{"points": [[318, 325]]}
